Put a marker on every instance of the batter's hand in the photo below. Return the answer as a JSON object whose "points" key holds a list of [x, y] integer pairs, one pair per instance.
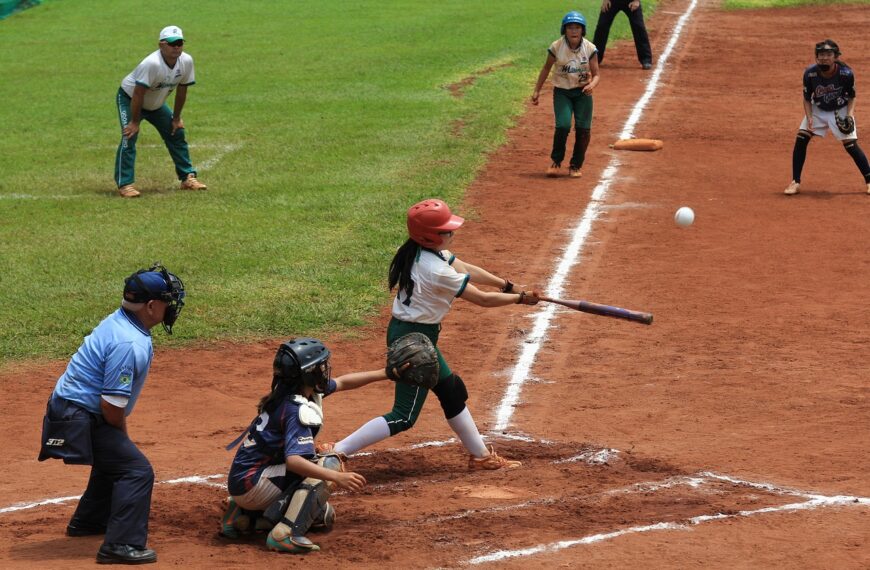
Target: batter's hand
{"points": [[130, 130], [529, 297], [176, 124], [350, 481]]}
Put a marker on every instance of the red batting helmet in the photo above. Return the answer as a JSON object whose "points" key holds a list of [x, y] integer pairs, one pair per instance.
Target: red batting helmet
{"points": [[427, 219]]}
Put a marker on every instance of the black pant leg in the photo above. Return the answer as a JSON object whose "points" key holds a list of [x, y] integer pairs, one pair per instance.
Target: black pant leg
{"points": [[602, 29], [117, 458], [641, 38]]}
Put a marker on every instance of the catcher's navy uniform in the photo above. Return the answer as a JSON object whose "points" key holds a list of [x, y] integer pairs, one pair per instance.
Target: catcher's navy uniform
{"points": [[272, 438]]}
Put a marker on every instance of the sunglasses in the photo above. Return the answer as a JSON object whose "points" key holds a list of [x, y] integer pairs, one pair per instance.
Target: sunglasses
{"points": [[176, 43]]}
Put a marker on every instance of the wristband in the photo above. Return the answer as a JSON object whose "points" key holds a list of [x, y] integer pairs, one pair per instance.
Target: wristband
{"points": [[508, 286], [522, 296]]}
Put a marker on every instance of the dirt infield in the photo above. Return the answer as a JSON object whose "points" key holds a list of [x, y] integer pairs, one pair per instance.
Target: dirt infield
{"points": [[731, 433]]}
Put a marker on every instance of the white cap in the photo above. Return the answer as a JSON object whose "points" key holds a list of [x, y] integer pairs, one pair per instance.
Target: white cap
{"points": [[171, 34]]}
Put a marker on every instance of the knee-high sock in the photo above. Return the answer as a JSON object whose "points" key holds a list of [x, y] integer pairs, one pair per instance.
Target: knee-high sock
{"points": [[464, 427], [799, 156], [371, 432], [860, 159]]}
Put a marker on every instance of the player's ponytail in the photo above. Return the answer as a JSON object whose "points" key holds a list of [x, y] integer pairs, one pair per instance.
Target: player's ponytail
{"points": [[400, 267]]}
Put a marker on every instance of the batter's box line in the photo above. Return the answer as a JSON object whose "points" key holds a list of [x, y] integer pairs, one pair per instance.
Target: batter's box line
{"points": [[813, 501]]}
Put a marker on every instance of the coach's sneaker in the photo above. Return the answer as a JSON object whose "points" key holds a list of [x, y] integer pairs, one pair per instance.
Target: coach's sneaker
{"points": [[235, 521], [553, 170], [491, 461], [575, 173], [128, 191], [325, 521], [281, 539], [792, 188], [191, 183]]}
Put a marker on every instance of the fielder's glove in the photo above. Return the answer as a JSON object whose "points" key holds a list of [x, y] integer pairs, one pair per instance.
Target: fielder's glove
{"points": [[412, 359], [845, 124]]}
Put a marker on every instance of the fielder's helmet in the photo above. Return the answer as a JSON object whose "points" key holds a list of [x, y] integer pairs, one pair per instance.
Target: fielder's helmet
{"points": [[427, 219], [302, 362], [828, 45], [156, 283], [573, 17]]}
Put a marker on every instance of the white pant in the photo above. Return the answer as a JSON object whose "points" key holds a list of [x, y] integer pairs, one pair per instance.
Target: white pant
{"points": [[823, 121], [264, 493]]}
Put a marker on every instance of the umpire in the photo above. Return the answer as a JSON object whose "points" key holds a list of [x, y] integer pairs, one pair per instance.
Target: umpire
{"points": [[632, 9], [85, 421]]}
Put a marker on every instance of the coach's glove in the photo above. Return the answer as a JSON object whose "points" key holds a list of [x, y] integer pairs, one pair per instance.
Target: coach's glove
{"points": [[845, 124], [412, 359]]}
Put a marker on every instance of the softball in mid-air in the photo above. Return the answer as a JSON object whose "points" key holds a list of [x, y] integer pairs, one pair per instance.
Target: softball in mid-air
{"points": [[684, 217]]}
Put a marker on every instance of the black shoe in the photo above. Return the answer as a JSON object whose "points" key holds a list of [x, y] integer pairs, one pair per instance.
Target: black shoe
{"points": [[125, 554], [80, 529], [646, 65]]}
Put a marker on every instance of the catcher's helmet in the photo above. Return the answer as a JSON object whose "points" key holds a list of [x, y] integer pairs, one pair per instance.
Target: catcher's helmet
{"points": [[427, 219], [828, 45], [573, 17], [302, 362], [156, 283]]}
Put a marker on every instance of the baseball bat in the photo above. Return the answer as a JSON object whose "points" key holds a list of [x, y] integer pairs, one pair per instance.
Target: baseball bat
{"points": [[603, 310]]}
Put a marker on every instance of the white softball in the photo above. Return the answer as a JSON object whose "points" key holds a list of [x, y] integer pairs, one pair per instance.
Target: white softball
{"points": [[684, 217]]}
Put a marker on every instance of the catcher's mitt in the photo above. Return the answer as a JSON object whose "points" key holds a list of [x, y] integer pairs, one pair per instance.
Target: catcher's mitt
{"points": [[412, 359], [845, 124]]}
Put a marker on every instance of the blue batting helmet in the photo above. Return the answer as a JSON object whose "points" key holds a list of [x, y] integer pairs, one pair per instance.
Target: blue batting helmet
{"points": [[573, 17]]}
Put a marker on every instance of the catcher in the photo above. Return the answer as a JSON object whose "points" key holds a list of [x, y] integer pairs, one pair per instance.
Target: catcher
{"points": [[429, 278], [278, 482], [829, 104]]}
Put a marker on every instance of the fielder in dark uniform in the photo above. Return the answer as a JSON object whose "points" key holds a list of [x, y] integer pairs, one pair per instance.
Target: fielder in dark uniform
{"points": [[278, 481], [829, 97], [85, 422], [632, 9]]}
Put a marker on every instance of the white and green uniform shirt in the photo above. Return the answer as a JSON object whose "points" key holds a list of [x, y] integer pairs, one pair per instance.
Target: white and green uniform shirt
{"points": [[436, 285], [571, 69], [159, 79]]}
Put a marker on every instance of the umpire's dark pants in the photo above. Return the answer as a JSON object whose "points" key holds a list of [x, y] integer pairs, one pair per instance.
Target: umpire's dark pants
{"points": [[118, 496], [638, 30]]}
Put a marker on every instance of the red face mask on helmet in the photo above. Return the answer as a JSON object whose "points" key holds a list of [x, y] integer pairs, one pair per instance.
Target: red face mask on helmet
{"points": [[428, 219]]}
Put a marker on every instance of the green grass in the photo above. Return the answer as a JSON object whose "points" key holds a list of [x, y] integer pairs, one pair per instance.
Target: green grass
{"points": [[754, 4], [322, 123]]}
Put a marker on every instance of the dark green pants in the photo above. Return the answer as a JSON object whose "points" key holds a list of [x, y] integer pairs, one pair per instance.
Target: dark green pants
{"points": [[125, 158], [409, 400], [568, 103]]}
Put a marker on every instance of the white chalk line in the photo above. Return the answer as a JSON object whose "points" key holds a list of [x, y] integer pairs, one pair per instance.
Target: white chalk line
{"points": [[813, 501], [222, 151], [532, 343]]}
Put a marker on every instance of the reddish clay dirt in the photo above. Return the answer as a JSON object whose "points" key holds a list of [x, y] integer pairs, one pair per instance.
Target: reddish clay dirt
{"points": [[755, 367]]}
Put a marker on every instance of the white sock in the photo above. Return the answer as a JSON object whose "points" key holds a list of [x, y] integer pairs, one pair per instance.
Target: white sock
{"points": [[464, 427], [369, 433]]}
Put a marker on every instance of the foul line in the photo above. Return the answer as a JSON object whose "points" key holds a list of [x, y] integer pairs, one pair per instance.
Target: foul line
{"points": [[812, 501], [570, 257]]}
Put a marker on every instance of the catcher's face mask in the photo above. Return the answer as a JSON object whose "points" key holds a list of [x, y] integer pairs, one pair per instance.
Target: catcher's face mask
{"points": [[317, 376]]}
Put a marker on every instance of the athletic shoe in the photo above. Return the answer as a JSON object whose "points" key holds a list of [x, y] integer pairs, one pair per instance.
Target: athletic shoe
{"points": [[646, 65], [128, 191], [553, 170], [234, 521], [325, 521], [575, 173], [491, 461], [125, 554], [191, 183], [75, 528], [291, 545], [792, 188]]}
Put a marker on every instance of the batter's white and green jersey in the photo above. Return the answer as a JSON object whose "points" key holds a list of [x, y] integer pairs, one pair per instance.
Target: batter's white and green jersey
{"points": [[159, 79], [436, 285], [571, 69]]}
